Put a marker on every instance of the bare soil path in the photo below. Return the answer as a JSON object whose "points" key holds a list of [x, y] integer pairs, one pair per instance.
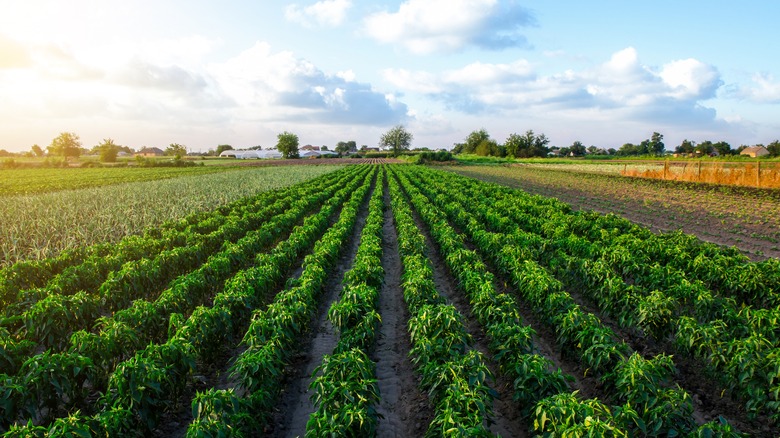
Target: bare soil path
{"points": [[295, 405], [404, 409], [506, 412]]}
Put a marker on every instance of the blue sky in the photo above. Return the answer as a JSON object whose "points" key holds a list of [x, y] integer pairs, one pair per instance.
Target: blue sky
{"points": [[203, 73]]}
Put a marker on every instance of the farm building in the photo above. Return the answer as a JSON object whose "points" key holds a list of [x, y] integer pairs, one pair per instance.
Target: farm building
{"points": [[150, 152], [755, 151], [246, 155], [309, 147], [314, 154]]}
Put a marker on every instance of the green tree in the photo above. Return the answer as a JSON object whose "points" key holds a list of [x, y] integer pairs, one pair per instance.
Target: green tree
{"points": [[397, 138], [487, 147], [473, 140], [287, 144], [577, 149], [108, 150], [705, 148], [723, 148], [686, 147], [176, 150], [656, 145], [67, 144], [342, 147], [527, 145], [36, 150], [774, 148], [222, 148]]}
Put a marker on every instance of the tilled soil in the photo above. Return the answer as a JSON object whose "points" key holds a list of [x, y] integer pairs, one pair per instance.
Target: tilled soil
{"points": [[404, 410], [295, 404], [506, 413]]}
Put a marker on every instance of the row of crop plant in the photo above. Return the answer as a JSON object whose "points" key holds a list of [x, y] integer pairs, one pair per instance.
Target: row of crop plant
{"points": [[346, 391], [271, 339], [648, 404], [454, 375], [58, 321], [138, 384], [50, 321], [143, 274], [84, 268], [609, 262]]}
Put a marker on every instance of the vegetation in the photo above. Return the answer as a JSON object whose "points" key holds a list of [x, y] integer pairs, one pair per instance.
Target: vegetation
{"points": [[114, 339], [287, 144], [398, 139], [43, 225]]}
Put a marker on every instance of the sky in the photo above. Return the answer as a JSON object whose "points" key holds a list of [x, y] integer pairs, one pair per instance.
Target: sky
{"points": [[204, 73]]}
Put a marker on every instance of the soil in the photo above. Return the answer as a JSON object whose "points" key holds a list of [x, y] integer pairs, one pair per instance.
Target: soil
{"points": [[709, 398], [741, 217], [404, 409], [506, 413], [295, 404]]}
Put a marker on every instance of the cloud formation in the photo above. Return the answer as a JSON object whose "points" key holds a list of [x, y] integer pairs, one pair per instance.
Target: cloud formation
{"points": [[325, 13], [764, 88], [279, 85], [622, 87], [429, 26]]}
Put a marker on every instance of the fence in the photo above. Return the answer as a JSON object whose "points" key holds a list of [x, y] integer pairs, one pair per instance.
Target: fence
{"points": [[751, 174]]}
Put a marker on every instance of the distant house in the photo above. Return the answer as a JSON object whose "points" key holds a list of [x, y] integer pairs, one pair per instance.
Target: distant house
{"points": [[755, 151], [150, 152], [309, 147]]}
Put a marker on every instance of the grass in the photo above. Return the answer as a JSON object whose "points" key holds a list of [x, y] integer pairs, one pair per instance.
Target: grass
{"points": [[43, 225]]}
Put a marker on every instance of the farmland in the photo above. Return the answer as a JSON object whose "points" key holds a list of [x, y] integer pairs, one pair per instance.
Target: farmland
{"points": [[44, 224], [374, 300], [732, 216]]}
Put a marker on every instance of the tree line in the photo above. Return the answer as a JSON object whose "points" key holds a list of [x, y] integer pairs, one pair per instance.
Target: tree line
{"points": [[398, 140]]}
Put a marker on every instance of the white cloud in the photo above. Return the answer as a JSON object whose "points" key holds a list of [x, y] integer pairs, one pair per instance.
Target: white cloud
{"points": [[691, 79], [428, 26], [269, 85], [329, 13], [621, 88], [763, 89]]}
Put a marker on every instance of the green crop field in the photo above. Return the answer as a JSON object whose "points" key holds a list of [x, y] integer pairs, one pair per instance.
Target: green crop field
{"points": [[383, 300]]}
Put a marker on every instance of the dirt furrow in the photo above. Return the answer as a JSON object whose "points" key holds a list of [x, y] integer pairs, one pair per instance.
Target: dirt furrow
{"points": [[295, 405], [404, 410], [506, 413]]}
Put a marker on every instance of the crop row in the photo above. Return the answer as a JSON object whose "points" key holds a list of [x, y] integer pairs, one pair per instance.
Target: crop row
{"points": [[623, 273], [455, 376], [41, 226], [649, 405], [346, 390], [137, 383], [271, 339]]}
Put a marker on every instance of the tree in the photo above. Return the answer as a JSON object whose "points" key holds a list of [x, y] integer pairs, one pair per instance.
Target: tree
{"points": [[527, 145], [108, 151], [774, 148], [487, 147], [577, 149], [222, 148], [67, 144], [656, 145], [593, 150], [705, 148], [686, 147], [397, 138], [37, 150], [342, 147], [176, 149], [287, 144], [324, 148], [723, 148]]}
